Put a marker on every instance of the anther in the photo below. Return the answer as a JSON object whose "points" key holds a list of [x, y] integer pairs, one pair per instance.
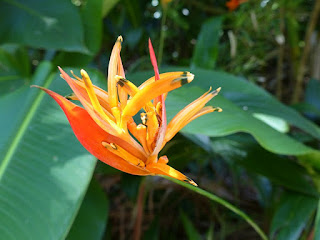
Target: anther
{"points": [[144, 118]]}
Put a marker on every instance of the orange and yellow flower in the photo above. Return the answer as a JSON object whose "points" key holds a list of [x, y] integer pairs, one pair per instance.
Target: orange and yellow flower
{"points": [[105, 125], [234, 4]]}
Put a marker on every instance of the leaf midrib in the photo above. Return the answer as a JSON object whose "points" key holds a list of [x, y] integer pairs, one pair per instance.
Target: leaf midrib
{"points": [[23, 127]]}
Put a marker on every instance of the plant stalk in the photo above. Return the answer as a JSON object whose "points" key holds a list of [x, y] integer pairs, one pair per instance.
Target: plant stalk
{"points": [[303, 61]]}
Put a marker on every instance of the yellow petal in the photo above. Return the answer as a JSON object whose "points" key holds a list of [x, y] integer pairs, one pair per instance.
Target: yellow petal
{"points": [[140, 133], [132, 90], [93, 97], [119, 151], [186, 114], [152, 79], [123, 96], [102, 95], [164, 169], [112, 72], [154, 89], [203, 111], [152, 128]]}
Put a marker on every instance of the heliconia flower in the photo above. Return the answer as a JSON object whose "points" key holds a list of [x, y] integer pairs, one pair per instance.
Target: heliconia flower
{"points": [[105, 125], [234, 4]]}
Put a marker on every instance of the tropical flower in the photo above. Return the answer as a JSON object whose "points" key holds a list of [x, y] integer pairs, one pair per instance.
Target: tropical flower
{"points": [[105, 125], [234, 4]]}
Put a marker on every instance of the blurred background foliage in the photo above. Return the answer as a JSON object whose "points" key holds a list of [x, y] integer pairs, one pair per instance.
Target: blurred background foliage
{"points": [[261, 154]]}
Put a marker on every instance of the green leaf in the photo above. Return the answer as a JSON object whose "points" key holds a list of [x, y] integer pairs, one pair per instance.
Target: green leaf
{"points": [[317, 223], [240, 100], [221, 202], [291, 216], [91, 220], [190, 230], [42, 24], [107, 6], [44, 171], [312, 98], [14, 67], [206, 50], [91, 16], [243, 150]]}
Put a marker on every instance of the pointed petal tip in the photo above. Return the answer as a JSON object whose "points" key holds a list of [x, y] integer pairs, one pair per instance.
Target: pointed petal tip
{"points": [[84, 74], [190, 181], [190, 76], [185, 77], [215, 92], [120, 39], [36, 86], [60, 69]]}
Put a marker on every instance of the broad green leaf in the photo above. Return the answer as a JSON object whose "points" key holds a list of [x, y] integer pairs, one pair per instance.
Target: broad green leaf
{"points": [[42, 24], [190, 230], [317, 223], [312, 93], [308, 109], [242, 149], [291, 216], [134, 11], [206, 50], [44, 171], [107, 6], [222, 202], [311, 106], [240, 100], [91, 220], [14, 68], [252, 99], [91, 17]]}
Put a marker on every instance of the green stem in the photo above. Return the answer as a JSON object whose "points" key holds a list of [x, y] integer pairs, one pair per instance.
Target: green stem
{"points": [[280, 57], [306, 50], [223, 203]]}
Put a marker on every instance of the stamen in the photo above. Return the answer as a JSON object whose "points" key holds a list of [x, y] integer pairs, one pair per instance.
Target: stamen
{"points": [[152, 129], [142, 137], [71, 96], [79, 79], [119, 151], [140, 133], [144, 118]]}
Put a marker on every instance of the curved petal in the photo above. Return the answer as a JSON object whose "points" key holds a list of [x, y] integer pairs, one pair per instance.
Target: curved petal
{"points": [[164, 169], [91, 136]]}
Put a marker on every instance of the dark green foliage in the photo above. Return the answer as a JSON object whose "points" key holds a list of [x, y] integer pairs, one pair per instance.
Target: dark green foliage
{"points": [[258, 155]]}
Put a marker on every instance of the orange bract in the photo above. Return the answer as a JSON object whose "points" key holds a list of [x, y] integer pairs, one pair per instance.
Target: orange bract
{"points": [[105, 126]]}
